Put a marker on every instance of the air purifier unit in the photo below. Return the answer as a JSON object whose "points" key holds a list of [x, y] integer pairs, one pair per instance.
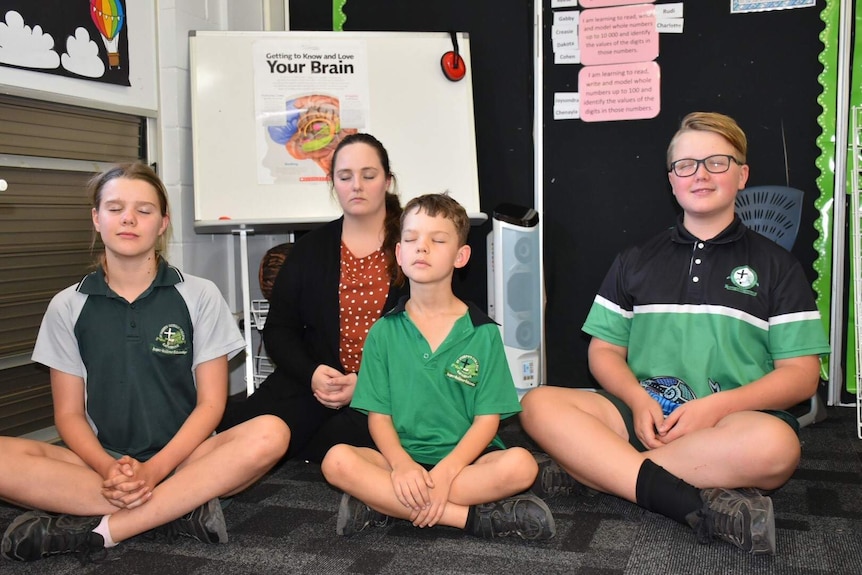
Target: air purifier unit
{"points": [[514, 295]]}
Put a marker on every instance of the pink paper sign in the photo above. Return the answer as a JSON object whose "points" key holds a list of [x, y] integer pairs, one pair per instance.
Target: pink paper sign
{"points": [[620, 92], [606, 3], [618, 35]]}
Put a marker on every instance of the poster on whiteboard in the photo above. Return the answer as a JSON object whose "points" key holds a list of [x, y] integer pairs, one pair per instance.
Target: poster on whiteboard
{"points": [[309, 95], [265, 121]]}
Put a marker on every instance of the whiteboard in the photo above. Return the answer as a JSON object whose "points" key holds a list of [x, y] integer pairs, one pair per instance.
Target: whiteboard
{"points": [[424, 120]]}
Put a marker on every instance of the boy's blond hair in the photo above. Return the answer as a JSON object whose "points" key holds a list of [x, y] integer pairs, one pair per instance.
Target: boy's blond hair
{"points": [[724, 126], [441, 205]]}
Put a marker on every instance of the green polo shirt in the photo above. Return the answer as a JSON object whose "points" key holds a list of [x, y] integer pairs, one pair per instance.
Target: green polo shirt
{"points": [[137, 359], [433, 396], [713, 314]]}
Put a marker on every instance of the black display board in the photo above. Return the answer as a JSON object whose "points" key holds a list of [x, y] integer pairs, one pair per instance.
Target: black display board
{"points": [[605, 184]]}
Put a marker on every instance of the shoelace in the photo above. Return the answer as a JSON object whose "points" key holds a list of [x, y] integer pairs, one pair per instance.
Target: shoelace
{"points": [[169, 532], [87, 553], [508, 522], [705, 528], [729, 526], [556, 481], [368, 516]]}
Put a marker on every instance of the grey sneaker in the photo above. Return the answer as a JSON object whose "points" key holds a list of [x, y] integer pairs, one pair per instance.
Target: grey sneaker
{"points": [[354, 516], [524, 515], [205, 523], [552, 480], [39, 534], [742, 517]]}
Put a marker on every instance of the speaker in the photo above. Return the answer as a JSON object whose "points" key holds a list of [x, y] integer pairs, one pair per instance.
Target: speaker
{"points": [[514, 297]]}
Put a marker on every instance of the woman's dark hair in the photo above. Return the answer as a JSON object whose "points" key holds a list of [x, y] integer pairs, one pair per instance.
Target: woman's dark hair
{"points": [[392, 223]]}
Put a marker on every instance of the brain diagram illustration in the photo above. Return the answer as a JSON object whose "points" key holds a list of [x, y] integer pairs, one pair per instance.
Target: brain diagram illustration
{"points": [[312, 129]]}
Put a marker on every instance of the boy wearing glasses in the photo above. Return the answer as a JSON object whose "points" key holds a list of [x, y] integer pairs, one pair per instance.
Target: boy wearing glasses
{"points": [[700, 338]]}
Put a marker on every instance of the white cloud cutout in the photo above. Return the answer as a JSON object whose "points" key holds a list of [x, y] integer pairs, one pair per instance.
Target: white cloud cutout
{"points": [[27, 47], [82, 55]]}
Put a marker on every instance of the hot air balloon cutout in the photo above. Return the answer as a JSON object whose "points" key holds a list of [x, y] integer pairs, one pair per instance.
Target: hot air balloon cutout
{"points": [[312, 129], [108, 16]]}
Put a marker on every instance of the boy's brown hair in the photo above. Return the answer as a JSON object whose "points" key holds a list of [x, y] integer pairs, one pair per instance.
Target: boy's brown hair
{"points": [[441, 205]]}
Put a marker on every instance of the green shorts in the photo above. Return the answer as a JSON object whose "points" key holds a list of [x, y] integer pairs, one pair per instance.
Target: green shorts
{"points": [[628, 419]]}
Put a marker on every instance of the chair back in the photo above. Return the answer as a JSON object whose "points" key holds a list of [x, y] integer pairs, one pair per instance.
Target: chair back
{"points": [[772, 211], [270, 265]]}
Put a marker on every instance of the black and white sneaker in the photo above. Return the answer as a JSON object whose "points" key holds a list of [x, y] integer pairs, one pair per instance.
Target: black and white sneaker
{"points": [[205, 523], [524, 515], [742, 517], [553, 480], [38, 534], [354, 516]]}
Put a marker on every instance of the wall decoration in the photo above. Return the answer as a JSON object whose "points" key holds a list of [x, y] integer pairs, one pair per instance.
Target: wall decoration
{"points": [[85, 39]]}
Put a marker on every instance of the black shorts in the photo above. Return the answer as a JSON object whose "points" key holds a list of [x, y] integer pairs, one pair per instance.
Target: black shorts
{"points": [[489, 449], [314, 428], [628, 419]]}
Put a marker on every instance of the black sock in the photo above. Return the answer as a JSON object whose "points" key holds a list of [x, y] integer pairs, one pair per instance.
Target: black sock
{"points": [[660, 492], [471, 518]]}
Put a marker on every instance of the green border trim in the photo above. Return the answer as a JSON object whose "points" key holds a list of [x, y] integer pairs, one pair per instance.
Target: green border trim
{"points": [[851, 368], [827, 99], [338, 15]]}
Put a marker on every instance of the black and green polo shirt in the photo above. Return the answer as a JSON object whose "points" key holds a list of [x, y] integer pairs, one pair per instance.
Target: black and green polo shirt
{"points": [[137, 359], [715, 314]]}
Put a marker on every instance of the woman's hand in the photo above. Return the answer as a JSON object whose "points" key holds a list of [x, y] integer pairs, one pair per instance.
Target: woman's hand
{"points": [[332, 388]]}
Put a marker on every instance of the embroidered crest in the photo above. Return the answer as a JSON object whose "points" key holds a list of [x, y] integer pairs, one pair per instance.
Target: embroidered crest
{"points": [[670, 392], [743, 280], [465, 370], [171, 341]]}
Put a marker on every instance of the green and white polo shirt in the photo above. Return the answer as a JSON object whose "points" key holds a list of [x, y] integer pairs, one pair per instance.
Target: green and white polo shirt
{"points": [[716, 314]]}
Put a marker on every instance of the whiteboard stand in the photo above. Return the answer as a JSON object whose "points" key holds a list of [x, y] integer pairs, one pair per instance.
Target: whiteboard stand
{"points": [[246, 309]]}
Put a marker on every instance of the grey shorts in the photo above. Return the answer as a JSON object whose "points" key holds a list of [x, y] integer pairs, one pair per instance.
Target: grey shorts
{"points": [[628, 419]]}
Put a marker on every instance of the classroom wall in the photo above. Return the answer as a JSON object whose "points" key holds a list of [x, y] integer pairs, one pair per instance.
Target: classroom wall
{"points": [[213, 256], [606, 183]]}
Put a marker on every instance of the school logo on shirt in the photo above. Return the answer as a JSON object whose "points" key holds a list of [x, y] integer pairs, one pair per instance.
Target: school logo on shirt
{"points": [[171, 341], [743, 280], [464, 370]]}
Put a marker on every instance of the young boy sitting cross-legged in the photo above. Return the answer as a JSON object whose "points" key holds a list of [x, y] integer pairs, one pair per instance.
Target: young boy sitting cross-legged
{"points": [[435, 383]]}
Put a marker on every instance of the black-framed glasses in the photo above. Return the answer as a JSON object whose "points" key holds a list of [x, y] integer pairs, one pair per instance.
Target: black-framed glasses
{"points": [[717, 164]]}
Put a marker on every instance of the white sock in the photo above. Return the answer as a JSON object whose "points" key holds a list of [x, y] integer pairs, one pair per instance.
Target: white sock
{"points": [[102, 529]]}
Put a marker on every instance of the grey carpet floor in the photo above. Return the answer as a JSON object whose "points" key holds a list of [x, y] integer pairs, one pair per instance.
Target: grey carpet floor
{"points": [[286, 524]]}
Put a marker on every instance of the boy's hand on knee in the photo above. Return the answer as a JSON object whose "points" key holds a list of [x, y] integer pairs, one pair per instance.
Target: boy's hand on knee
{"points": [[688, 417], [648, 416], [430, 515], [411, 483]]}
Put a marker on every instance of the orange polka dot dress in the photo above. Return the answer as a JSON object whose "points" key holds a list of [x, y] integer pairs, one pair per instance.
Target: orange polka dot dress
{"points": [[362, 289]]}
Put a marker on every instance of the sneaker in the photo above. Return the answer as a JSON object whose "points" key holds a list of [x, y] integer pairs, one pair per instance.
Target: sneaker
{"points": [[38, 534], [743, 517], [552, 480], [524, 515], [354, 516], [205, 523]]}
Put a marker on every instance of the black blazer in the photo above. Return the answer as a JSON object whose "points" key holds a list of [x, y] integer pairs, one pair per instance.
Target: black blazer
{"points": [[302, 326]]}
